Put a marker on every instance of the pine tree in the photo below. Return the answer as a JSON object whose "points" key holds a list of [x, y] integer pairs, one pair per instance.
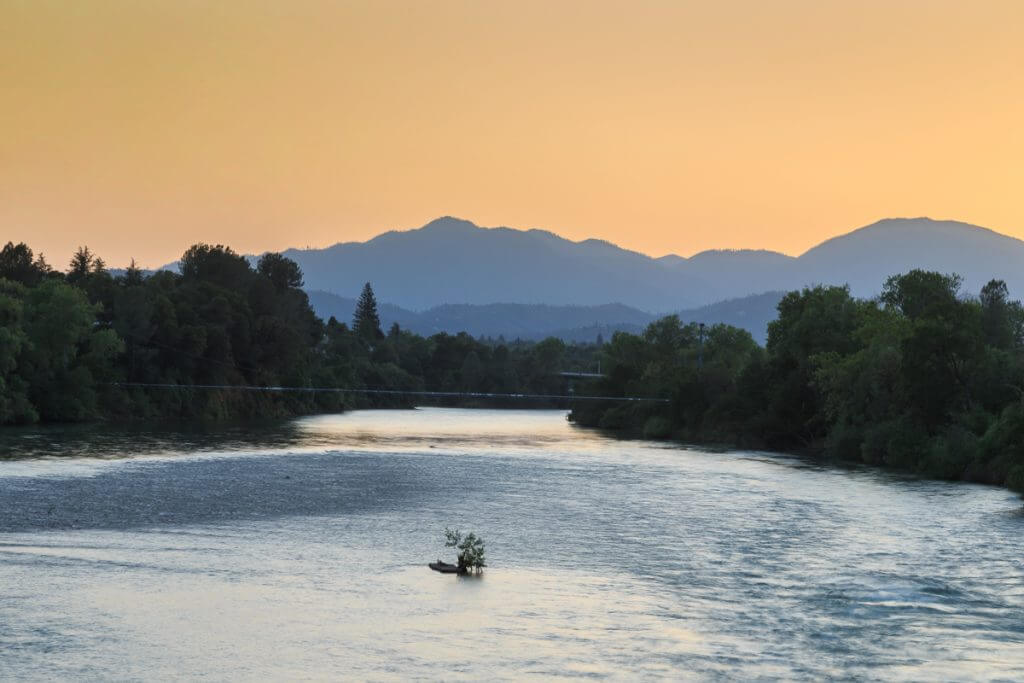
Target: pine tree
{"points": [[81, 264], [133, 274], [366, 322]]}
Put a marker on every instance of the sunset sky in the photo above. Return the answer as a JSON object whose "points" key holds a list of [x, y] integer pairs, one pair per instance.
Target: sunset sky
{"points": [[141, 126]]}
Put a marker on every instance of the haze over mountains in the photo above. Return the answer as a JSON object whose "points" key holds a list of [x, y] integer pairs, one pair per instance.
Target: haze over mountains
{"points": [[537, 321], [452, 275], [453, 261]]}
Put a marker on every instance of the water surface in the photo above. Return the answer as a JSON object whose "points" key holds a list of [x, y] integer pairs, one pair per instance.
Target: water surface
{"points": [[298, 550]]}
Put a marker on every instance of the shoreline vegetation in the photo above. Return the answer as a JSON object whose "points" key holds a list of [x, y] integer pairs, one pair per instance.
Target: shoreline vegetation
{"points": [[921, 379], [90, 345]]}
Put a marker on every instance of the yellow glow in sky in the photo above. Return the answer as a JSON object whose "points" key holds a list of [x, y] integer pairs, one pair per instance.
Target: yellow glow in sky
{"points": [[140, 127]]}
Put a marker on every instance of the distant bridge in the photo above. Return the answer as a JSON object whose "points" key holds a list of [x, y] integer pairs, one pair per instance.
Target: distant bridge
{"points": [[401, 392]]}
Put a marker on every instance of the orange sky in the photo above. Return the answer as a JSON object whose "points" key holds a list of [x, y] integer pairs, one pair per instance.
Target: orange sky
{"points": [[140, 127]]}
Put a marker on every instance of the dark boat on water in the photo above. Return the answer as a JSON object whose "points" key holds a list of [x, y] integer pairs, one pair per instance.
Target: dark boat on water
{"points": [[444, 567]]}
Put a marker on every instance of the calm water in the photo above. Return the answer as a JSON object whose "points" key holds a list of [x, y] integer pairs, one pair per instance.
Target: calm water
{"points": [[298, 550]]}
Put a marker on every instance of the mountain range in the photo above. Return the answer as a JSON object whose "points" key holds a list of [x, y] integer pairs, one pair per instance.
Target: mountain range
{"points": [[453, 261], [452, 275], [537, 321]]}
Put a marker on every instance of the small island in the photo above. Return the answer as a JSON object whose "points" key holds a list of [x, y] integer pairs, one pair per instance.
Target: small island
{"points": [[471, 553]]}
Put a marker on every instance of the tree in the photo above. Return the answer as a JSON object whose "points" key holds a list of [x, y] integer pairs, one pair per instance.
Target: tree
{"points": [[14, 404], [132, 275], [217, 264], [818, 320], [472, 372], [81, 265], [282, 271], [943, 345], [1002, 320], [470, 547], [66, 355], [17, 264], [366, 321]]}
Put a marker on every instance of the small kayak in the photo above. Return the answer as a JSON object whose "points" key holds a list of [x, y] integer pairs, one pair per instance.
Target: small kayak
{"points": [[444, 567]]}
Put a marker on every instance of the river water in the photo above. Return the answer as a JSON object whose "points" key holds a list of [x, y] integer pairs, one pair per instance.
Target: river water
{"points": [[298, 550]]}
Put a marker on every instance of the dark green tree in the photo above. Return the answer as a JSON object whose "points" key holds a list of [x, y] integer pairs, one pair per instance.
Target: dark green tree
{"points": [[217, 264], [280, 270], [943, 345], [813, 321], [1002, 320], [81, 265], [18, 265], [470, 547], [132, 275], [366, 320]]}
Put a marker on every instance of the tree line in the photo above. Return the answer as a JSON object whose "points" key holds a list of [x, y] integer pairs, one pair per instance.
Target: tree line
{"points": [[922, 378], [87, 344]]}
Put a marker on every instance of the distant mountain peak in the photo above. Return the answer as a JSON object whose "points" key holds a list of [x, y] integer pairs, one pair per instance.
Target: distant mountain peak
{"points": [[449, 224], [912, 228], [918, 224], [739, 254]]}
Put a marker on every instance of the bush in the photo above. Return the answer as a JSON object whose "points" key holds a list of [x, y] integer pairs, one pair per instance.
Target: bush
{"points": [[950, 453], [657, 427], [897, 443], [470, 547], [844, 442]]}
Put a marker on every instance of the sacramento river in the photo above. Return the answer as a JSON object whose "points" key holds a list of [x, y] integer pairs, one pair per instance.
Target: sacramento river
{"points": [[298, 550]]}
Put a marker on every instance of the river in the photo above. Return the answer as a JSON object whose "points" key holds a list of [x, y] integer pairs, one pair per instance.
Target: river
{"points": [[298, 550]]}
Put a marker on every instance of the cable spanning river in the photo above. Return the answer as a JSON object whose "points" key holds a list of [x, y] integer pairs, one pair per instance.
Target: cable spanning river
{"points": [[299, 550]]}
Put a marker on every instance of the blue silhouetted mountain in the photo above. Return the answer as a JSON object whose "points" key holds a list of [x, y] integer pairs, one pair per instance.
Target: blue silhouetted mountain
{"points": [[447, 276], [537, 321], [864, 258], [733, 273], [452, 261], [512, 321]]}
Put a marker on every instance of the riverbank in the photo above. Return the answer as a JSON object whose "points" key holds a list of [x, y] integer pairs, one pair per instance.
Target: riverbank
{"points": [[641, 424]]}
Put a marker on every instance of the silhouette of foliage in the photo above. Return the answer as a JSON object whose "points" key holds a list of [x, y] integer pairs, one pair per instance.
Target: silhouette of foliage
{"points": [[69, 343], [18, 264], [923, 378], [366, 321]]}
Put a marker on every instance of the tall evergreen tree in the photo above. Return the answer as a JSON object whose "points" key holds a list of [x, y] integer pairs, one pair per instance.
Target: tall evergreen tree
{"points": [[366, 321], [133, 275], [81, 265]]}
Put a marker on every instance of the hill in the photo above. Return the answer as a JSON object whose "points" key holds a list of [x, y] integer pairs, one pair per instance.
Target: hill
{"points": [[865, 257], [751, 313], [512, 321], [452, 261], [570, 323]]}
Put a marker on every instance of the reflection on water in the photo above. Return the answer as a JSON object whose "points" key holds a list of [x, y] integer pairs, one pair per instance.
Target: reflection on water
{"points": [[298, 550]]}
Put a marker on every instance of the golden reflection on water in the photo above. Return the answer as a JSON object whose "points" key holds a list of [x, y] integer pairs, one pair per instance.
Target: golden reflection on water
{"points": [[531, 621]]}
